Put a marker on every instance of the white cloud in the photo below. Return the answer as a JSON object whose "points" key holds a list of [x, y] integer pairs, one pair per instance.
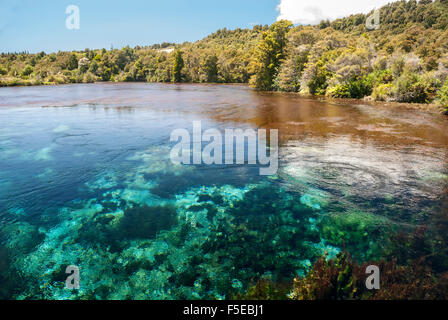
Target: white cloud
{"points": [[314, 11]]}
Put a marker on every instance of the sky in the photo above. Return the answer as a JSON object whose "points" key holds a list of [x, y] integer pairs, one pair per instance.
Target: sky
{"points": [[34, 26]]}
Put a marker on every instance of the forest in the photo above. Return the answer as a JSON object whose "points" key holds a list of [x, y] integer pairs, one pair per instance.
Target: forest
{"points": [[406, 60]]}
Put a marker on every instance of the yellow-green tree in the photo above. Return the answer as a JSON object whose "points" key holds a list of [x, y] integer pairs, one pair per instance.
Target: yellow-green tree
{"points": [[443, 95], [269, 55], [178, 66], [72, 62], [210, 68]]}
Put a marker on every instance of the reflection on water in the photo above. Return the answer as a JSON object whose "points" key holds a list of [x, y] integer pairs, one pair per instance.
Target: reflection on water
{"points": [[86, 180]]}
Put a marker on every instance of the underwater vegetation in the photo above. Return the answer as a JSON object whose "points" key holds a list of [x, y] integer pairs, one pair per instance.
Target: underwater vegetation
{"points": [[4, 273], [262, 240], [134, 241], [205, 242], [414, 267], [266, 289], [145, 222], [11, 280], [212, 243], [344, 279], [139, 227], [356, 231]]}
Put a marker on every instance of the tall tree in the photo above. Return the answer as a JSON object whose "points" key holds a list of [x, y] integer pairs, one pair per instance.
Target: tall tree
{"points": [[72, 62], [211, 68], [269, 54], [178, 66]]}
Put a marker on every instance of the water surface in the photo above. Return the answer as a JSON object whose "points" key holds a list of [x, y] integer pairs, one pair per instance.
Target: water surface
{"points": [[86, 180]]}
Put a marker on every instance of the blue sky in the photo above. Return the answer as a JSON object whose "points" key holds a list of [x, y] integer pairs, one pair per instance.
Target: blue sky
{"points": [[39, 25], [30, 25]]}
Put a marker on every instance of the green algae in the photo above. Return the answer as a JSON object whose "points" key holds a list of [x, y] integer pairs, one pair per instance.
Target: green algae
{"points": [[136, 239], [207, 243], [355, 230], [145, 222], [21, 237], [436, 177], [10, 279]]}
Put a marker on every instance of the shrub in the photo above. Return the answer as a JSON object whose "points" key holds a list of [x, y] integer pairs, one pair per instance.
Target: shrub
{"points": [[381, 76], [83, 64], [27, 71], [361, 87], [443, 95], [397, 66], [356, 88], [72, 62], [383, 92], [93, 66], [89, 78], [339, 91], [318, 82], [431, 64], [410, 88], [57, 79], [11, 82]]}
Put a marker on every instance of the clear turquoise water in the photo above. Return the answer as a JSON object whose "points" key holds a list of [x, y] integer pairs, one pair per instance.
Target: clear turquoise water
{"points": [[86, 180]]}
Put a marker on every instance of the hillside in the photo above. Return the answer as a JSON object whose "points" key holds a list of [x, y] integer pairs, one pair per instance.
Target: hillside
{"points": [[406, 60]]}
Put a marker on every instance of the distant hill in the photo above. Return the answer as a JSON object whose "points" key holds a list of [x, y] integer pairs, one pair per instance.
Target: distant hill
{"points": [[399, 16]]}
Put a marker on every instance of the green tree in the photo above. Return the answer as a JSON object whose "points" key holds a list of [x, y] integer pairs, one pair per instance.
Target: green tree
{"points": [[211, 68], [443, 95], [411, 88], [72, 62], [178, 66], [83, 64], [93, 67], [269, 54], [27, 71]]}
